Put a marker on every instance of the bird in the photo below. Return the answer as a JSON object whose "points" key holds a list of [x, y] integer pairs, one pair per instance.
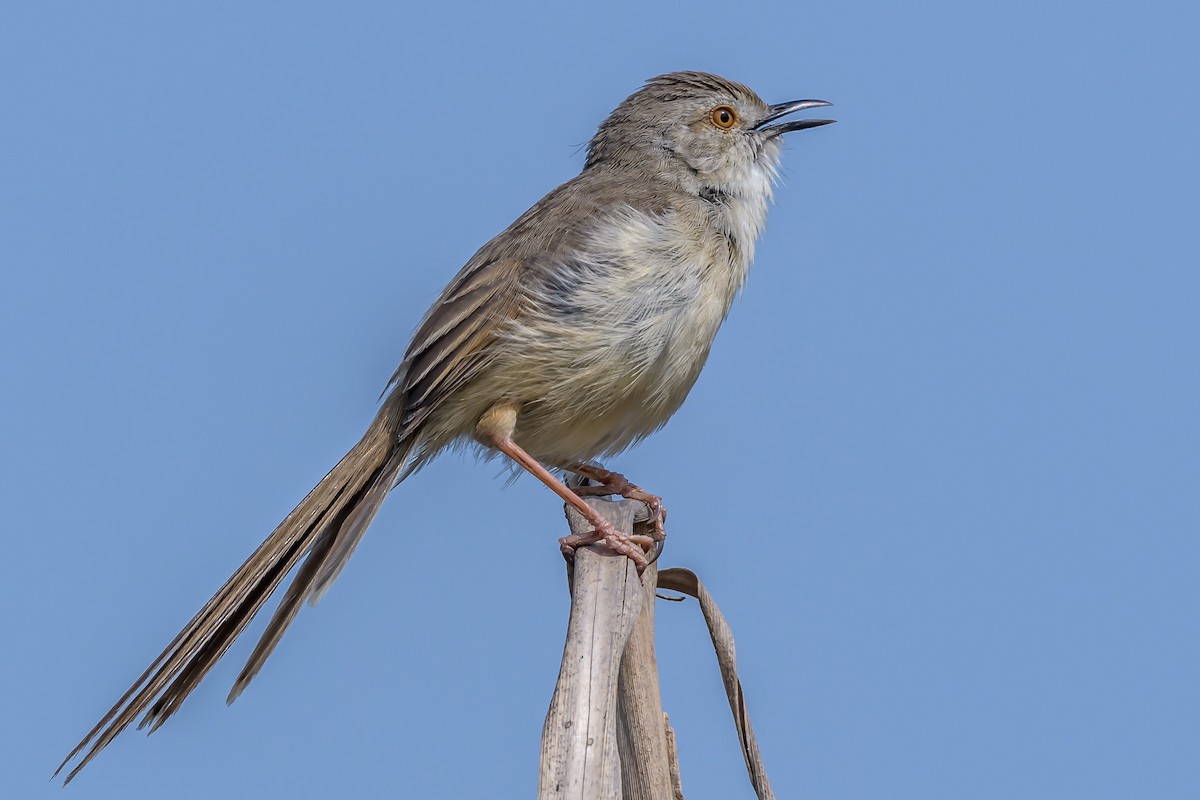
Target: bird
{"points": [[573, 334]]}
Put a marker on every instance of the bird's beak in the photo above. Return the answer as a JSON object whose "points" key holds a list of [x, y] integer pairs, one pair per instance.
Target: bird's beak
{"points": [[783, 109]]}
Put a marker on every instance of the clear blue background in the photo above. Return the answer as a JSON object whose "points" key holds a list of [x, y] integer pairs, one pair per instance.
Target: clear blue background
{"points": [[941, 470]]}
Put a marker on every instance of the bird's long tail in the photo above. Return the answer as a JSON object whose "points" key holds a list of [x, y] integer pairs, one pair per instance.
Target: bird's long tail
{"points": [[323, 530]]}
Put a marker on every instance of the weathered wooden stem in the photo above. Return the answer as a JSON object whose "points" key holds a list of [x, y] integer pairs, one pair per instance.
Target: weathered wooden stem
{"points": [[594, 745], [642, 734]]}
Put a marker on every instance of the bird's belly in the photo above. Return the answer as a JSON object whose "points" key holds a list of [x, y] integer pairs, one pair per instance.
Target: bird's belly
{"points": [[618, 382]]}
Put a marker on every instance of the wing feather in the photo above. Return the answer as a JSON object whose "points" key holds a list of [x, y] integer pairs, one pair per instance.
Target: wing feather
{"points": [[450, 344]]}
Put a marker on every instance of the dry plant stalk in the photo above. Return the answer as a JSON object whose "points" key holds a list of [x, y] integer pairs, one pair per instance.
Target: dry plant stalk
{"points": [[606, 735]]}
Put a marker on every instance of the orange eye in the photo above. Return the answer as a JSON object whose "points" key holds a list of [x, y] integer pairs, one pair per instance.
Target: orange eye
{"points": [[724, 117]]}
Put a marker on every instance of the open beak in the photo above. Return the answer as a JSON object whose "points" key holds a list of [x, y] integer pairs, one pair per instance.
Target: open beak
{"points": [[783, 109]]}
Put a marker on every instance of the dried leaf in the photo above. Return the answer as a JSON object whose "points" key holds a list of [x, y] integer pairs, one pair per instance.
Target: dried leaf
{"points": [[685, 581]]}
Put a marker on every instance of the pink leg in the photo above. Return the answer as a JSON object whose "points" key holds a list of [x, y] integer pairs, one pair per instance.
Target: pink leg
{"points": [[604, 530], [616, 483]]}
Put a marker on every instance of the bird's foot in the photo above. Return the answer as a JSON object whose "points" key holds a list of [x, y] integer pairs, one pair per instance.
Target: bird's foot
{"points": [[609, 483], [634, 547]]}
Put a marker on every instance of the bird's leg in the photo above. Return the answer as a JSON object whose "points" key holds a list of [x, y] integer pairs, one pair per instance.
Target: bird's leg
{"points": [[495, 428], [616, 483]]}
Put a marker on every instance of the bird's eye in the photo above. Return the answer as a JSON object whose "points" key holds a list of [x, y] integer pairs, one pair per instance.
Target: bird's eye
{"points": [[724, 117]]}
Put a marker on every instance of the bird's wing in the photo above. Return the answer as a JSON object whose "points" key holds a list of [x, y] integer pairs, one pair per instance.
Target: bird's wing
{"points": [[451, 343]]}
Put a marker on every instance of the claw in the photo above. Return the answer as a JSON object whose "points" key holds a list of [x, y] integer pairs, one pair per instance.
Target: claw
{"points": [[633, 547], [615, 483]]}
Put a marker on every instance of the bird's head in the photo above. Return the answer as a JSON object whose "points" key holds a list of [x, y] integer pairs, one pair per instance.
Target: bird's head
{"points": [[699, 130]]}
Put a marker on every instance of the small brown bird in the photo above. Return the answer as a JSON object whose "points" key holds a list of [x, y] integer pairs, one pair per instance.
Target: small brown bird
{"points": [[575, 333]]}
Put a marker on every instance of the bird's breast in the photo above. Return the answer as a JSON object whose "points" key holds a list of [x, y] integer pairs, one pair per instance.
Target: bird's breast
{"points": [[618, 331]]}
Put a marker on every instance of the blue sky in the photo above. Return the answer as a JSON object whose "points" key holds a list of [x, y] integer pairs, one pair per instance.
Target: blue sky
{"points": [[940, 472]]}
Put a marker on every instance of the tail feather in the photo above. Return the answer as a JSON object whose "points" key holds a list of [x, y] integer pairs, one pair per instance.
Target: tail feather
{"points": [[326, 526], [323, 563], [283, 616], [352, 531]]}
